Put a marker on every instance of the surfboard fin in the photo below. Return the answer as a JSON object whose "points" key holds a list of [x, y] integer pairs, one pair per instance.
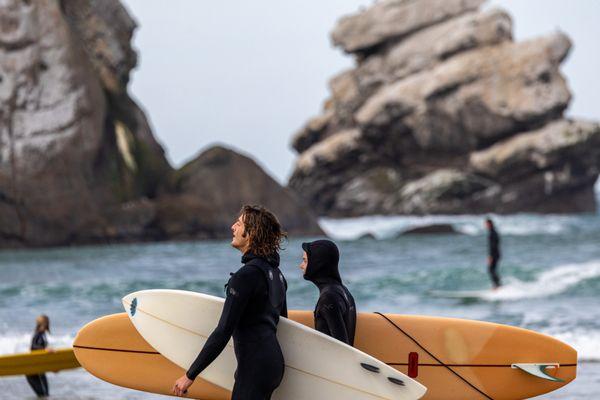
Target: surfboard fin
{"points": [[539, 370], [133, 306]]}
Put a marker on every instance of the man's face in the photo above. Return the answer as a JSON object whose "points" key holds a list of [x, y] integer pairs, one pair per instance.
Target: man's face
{"points": [[240, 240], [304, 263]]}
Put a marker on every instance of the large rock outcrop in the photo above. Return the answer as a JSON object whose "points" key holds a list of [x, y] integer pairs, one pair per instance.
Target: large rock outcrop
{"points": [[78, 160], [214, 186], [70, 157], [445, 113]]}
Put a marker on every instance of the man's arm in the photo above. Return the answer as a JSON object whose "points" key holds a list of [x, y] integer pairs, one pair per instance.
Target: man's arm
{"points": [[239, 290]]}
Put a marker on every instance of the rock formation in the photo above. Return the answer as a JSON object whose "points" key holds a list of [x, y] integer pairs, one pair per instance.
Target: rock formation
{"points": [[434, 229], [445, 113], [214, 186], [78, 160]]}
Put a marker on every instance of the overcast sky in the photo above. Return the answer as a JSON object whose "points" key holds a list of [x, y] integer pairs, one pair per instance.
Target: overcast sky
{"points": [[250, 74]]}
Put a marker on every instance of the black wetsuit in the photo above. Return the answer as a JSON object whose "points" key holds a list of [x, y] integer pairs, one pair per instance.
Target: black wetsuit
{"points": [[335, 312], [39, 383], [494, 253], [255, 300]]}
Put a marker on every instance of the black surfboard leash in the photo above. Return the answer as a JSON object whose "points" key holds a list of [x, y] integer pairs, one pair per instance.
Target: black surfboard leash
{"points": [[432, 356]]}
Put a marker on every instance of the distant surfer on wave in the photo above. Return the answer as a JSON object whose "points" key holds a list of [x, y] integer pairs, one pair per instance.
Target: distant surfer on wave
{"points": [[255, 299], [335, 312], [39, 341], [493, 253]]}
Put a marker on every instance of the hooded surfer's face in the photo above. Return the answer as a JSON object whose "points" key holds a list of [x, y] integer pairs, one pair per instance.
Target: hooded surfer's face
{"points": [[240, 239], [320, 261], [304, 262]]}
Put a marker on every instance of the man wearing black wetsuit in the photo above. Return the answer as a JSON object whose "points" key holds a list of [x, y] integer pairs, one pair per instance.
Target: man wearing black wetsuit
{"points": [[254, 301], [335, 312], [493, 253]]}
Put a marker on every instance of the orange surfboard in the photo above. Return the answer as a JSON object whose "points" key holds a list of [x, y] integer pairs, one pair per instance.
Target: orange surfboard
{"points": [[455, 359]]}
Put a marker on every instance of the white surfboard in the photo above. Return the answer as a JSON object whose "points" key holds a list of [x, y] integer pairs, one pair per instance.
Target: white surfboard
{"points": [[177, 324]]}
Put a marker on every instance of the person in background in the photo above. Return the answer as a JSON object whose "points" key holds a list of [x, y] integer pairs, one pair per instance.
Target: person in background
{"points": [[38, 382], [335, 312], [493, 253]]}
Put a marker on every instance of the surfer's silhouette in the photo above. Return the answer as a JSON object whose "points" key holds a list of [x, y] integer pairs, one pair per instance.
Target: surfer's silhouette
{"points": [[39, 382], [493, 253]]}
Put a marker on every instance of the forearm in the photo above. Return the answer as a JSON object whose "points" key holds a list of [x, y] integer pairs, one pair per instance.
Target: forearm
{"points": [[235, 303], [215, 344]]}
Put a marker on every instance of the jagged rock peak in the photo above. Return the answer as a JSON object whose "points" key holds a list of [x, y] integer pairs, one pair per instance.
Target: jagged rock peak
{"points": [[391, 20]]}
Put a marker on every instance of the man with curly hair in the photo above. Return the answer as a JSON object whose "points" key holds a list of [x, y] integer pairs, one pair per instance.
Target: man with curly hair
{"points": [[254, 301]]}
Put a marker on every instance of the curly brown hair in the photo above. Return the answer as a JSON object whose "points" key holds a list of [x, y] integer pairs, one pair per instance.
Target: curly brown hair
{"points": [[266, 234]]}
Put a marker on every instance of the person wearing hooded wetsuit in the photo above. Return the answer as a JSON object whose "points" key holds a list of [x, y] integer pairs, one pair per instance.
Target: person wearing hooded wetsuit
{"points": [[493, 253], [255, 299], [335, 312]]}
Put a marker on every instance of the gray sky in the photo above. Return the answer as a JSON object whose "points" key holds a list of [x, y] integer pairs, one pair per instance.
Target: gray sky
{"points": [[250, 74]]}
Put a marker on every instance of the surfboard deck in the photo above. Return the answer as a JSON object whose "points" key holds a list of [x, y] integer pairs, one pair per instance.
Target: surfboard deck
{"points": [[482, 353], [177, 323], [37, 362]]}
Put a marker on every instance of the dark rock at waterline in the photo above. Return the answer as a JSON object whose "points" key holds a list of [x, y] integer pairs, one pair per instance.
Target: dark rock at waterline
{"points": [[445, 113], [434, 229], [367, 236], [78, 160]]}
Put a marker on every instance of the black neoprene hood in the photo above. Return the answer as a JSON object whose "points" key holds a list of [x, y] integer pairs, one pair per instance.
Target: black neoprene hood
{"points": [[323, 258]]}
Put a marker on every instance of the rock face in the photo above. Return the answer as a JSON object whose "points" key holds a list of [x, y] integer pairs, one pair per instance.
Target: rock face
{"points": [[78, 160], [445, 113], [216, 184], [62, 175]]}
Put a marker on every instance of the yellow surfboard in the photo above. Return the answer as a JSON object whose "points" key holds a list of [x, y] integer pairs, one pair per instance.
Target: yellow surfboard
{"points": [[38, 362], [455, 359]]}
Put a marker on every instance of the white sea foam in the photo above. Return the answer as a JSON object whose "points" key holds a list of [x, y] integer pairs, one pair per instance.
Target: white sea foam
{"points": [[384, 227], [550, 282], [586, 342], [11, 343], [16, 343]]}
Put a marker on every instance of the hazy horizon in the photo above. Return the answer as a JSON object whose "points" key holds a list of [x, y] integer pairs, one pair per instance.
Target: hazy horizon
{"points": [[244, 76]]}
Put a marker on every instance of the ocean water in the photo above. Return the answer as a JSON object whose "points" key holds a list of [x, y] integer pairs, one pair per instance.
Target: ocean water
{"points": [[550, 267]]}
